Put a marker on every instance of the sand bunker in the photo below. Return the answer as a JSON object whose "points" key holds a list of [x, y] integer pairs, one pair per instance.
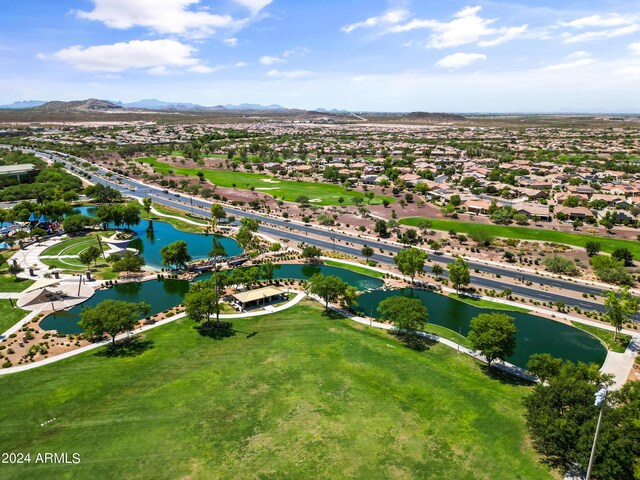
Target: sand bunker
{"points": [[269, 180]]}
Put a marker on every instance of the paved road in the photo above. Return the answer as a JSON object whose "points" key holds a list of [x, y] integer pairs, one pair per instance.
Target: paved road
{"points": [[300, 233]]}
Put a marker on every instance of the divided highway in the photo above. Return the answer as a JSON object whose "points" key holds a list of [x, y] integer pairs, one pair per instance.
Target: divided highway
{"points": [[295, 232]]}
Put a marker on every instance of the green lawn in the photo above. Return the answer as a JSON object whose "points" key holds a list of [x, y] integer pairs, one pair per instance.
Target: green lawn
{"points": [[355, 268], [606, 337], [9, 316], [9, 283], [483, 303], [328, 194], [180, 153], [75, 245], [526, 233], [448, 334], [306, 397], [179, 224]]}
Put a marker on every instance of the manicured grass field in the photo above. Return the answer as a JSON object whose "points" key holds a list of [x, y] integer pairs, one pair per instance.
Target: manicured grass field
{"points": [[9, 316], [177, 223], [525, 233], [619, 346], [9, 283], [483, 303], [355, 268], [327, 194], [75, 245], [448, 334], [306, 397]]}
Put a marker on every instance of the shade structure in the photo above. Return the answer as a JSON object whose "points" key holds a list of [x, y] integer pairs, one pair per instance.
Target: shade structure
{"points": [[257, 295]]}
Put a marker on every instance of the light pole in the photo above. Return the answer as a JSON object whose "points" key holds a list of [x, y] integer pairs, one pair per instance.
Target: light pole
{"points": [[601, 396]]}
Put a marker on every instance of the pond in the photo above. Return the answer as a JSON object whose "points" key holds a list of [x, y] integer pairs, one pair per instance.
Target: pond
{"points": [[150, 243], [305, 271], [535, 334], [162, 295], [159, 294]]}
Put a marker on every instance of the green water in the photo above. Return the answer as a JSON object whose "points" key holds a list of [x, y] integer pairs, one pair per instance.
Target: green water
{"points": [[162, 295], [304, 272], [535, 334], [159, 294], [149, 244]]}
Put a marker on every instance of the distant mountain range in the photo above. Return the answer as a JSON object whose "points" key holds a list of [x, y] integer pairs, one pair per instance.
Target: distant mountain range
{"points": [[93, 104], [24, 104]]}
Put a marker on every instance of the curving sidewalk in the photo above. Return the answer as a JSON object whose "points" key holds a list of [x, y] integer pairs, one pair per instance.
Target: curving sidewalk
{"points": [[502, 365], [185, 220], [30, 366]]}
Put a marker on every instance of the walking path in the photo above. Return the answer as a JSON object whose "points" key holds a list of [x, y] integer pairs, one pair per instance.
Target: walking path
{"points": [[30, 258], [30, 366], [20, 324], [8, 295], [502, 365], [182, 219], [620, 364]]}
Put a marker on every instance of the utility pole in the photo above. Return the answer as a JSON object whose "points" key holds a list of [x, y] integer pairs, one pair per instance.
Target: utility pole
{"points": [[601, 396]]}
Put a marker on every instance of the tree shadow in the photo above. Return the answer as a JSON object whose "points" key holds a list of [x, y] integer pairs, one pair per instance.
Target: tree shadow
{"points": [[505, 377], [217, 331], [414, 341], [127, 347], [332, 314]]}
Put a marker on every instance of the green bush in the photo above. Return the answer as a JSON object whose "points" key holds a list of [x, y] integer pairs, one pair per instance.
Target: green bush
{"points": [[559, 264]]}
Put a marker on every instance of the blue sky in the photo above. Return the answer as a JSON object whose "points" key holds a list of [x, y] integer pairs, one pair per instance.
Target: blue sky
{"points": [[491, 56]]}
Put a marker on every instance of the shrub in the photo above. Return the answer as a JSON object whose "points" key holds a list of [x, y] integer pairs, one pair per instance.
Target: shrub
{"points": [[559, 264]]}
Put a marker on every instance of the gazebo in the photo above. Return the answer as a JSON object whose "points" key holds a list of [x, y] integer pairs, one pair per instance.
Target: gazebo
{"points": [[257, 297]]}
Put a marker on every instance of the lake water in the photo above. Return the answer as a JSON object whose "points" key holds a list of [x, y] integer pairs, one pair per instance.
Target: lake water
{"points": [[149, 244], [159, 294], [535, 334], [162, 295]]}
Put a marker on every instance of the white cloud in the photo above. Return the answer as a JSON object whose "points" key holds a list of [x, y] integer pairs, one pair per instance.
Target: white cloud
{"points": [[459, 60], [155, 55], [288, 73], [508, 34], [583, 62], [391, 17], [634, 48], [600, 34], [159, 71], [254, 6], [241, 64], [201, 69], [294, 52], [578, 54], [611, 20], [465, 28], [269, 60], [161, 16], [232, 42]]}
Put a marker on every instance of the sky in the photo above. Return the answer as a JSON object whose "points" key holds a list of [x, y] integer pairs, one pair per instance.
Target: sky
{"points": [[359, 55]]}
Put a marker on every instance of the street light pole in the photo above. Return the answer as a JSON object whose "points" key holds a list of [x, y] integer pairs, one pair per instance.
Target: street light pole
{"points": [[601, 396]]}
